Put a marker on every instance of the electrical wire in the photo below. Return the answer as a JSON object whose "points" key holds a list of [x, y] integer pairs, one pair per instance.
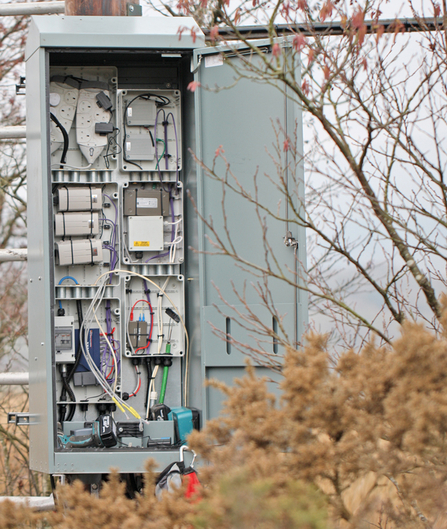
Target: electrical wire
{"points": [[138, 386], [64, 135], [64, 165], [161, 101], [97, 300], [151, 313], [176, 150]]}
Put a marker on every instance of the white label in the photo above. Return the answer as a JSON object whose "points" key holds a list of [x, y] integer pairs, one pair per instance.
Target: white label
{"points": [[147, 202], [128, 146], [213, 60], [129, 112]]}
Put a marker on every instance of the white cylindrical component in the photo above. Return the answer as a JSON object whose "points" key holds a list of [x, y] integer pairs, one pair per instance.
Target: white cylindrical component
{"points": [[82, 251], [37, 503], [76, 224], [80, 198], [14, 379], [10, 133], [32, 8], [19, 254]]}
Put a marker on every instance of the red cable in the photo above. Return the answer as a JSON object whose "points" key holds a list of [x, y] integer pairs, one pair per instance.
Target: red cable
{"points": [[139, 384]]}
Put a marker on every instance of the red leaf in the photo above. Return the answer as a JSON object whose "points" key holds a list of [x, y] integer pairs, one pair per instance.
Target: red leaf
{"points": [[237, 16], [299, 41], [302, 4], [276, 50], [180, 31], [326, 10], [193, 85], [357, 19], [326, 72], [437, 10], [310, 57], [219, 151], [286, 145], [305, 87], [214, 33], [362, 33]]}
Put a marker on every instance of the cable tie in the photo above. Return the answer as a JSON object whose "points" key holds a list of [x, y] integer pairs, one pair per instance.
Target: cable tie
{"points": [[160, 335]]}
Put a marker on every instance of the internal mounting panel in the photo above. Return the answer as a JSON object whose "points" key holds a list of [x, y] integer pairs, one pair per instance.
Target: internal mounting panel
{"points": [[117, 195]]}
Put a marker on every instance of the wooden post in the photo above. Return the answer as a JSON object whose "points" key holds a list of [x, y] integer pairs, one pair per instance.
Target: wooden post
{"points": [[105, 8]]}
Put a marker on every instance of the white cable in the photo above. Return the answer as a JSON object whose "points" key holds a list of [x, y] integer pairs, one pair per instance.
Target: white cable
{"points": [[58, 165], [150, 390], [167, 223], [162, 290]]}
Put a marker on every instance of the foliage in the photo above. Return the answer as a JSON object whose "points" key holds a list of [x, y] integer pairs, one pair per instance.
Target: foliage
{"points": [[374, 103], [356, 442]]}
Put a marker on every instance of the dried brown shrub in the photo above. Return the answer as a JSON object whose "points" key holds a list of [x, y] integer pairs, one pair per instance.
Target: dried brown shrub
{"points": [[361, 438]]}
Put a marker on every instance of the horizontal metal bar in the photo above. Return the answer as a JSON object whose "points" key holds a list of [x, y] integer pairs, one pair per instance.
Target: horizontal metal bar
{"points": [[18, 254], [32, 8], [10, 133], [21, 418], [14, 379], [328, 28], [37, 503]]}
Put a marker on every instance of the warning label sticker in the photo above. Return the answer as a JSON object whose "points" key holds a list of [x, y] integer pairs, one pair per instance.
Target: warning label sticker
{"points": [[141, 243], [147, 202]]}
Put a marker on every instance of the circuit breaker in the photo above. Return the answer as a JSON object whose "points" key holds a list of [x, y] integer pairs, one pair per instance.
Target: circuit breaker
{"points": [[120, 300]]}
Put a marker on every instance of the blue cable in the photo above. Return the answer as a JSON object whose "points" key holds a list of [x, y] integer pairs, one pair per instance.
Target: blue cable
{"points": [[60, 282]]}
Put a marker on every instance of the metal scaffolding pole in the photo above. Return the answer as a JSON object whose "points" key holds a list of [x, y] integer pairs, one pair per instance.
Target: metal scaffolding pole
{"points": [[32, 8], [10, 133], [19, 254], [14, 379]]}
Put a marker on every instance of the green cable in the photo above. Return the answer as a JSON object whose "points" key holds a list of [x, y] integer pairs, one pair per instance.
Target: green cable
{"points": [[164, 383], [163, 153]]}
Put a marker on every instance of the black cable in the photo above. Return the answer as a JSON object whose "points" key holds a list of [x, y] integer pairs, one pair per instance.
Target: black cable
{"points": [[65, 136], [75, 365], [79, 349]]}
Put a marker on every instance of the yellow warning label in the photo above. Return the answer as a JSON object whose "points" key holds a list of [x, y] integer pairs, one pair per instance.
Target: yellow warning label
{"points": [[141, 243]]}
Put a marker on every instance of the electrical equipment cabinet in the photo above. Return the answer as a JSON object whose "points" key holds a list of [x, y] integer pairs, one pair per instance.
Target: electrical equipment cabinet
{"points": [[119, 299]]}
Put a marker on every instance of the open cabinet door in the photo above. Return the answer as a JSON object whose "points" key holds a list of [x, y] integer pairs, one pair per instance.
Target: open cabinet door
{"points": [[245, 121]]}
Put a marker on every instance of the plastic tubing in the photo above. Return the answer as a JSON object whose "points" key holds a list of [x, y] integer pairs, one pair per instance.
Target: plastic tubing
{"points": [[164, 383]]}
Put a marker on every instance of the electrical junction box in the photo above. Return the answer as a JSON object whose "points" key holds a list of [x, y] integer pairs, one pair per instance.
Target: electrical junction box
{"points": [[64, 340], [146, 233], [114, 244], [139, 147], [140, 200], [141, 113]]}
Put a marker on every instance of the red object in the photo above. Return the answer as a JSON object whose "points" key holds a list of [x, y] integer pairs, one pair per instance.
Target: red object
{"points": [[193, 485]]}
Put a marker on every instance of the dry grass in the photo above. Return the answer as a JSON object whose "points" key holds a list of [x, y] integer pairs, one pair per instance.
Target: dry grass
{"points": [[356, 444]]}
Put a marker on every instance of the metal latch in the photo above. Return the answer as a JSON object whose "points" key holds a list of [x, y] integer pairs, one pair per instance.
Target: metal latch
{"points": [[21, 87], [290, 241], [21, 419]]}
